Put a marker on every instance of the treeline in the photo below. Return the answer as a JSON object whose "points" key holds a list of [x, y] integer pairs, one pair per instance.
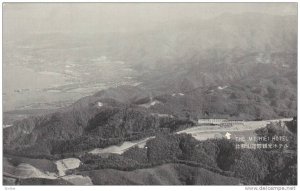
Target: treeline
{"points": [[252, 166], [166, 148], [74, 132], [280, 133]]}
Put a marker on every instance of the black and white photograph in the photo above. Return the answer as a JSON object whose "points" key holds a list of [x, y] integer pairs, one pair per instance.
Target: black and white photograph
{"points": [[140, 93]]}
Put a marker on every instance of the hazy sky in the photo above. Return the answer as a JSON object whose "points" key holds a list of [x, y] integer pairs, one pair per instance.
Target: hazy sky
{"points": [[22, 18]]}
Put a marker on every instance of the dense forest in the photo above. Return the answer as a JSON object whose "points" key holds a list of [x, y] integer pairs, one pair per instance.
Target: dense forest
{"points": [[251, 166]]}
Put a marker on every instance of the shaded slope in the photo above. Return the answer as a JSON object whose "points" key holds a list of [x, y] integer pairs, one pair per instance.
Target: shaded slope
{"points": [[168, 174]]}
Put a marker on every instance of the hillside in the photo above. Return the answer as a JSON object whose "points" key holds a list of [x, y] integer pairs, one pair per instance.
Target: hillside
{"points": [[168, 174], [91, 122]]}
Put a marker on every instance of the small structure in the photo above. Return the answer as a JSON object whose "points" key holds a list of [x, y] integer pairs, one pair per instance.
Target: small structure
{"points": [[220, 122], [100, 104], [212, 121]]}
